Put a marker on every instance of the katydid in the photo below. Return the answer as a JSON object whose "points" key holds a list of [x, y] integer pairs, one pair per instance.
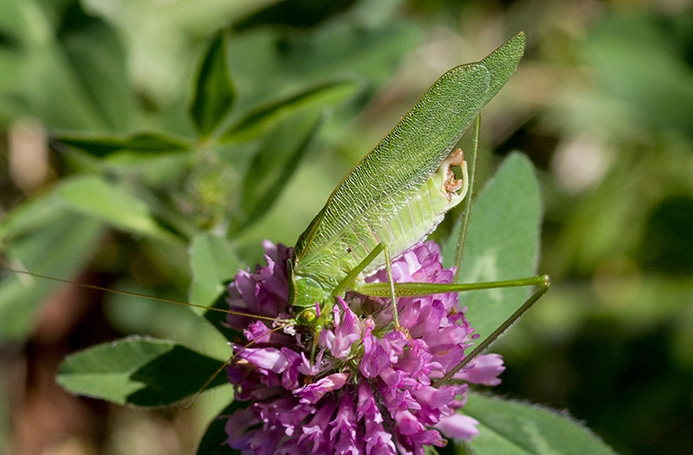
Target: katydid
{"points": [[396, 195]]}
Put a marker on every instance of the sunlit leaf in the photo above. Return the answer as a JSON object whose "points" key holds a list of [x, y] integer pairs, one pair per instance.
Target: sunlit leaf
{"points": [[142, 372], [502, 243], [212, 262], [512, 428], [111, 204]]}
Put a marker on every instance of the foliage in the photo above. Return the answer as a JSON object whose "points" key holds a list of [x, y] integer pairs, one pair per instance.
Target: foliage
{"points": [[205, 139]]}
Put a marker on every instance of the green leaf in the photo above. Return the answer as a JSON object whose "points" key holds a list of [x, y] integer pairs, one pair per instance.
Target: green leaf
{"points": [[69, 67], [30, 215], [59, 248], [218, 318], [512, 428], [342, 48], [636, 59], [254, 122], [72, 68], [145, 142], [274, 165], [214, 440], [502, 243], [97, 60], [111, 204], [213, 262], [214, 91], [142, 372]]}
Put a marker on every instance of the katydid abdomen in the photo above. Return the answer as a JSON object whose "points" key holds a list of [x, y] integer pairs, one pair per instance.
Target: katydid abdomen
{"points": [[397, 223]]}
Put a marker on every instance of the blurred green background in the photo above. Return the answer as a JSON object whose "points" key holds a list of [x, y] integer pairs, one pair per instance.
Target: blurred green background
{"points": [[602, 103]]}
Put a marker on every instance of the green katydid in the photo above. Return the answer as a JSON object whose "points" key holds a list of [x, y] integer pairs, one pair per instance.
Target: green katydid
{"points": [[396, 195]]}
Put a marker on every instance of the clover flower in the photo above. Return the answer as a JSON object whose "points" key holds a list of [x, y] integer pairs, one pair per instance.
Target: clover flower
{"points": [[368, 389]]}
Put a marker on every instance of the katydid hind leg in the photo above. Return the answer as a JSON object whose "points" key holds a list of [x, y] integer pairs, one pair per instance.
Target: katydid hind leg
{"points": [[391, 282], [418, 289], [467, 210], [349, 280], [542, 288], [541, 282]]}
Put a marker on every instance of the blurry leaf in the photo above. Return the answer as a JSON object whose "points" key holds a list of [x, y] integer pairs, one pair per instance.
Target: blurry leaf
{"points": [[637, 59], [212, 262], [295, 13], [132, 314], [593, 226], [68, 69], [111, 204], [97, 60], [12, 35], [142, 372], [29, 215], [275, 164], [289, 62], [218, 318], [667, 245], [255, 121], [214, 440], [101, 146], [214, 91], [60, 248], [12, 25], [502, 243], [512, 428]]}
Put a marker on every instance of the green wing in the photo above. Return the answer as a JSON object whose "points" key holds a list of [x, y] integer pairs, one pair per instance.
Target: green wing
{"points": [[399, 166]]}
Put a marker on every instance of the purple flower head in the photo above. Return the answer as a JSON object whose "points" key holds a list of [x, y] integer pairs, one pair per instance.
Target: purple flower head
{"points": [[365, 387]]}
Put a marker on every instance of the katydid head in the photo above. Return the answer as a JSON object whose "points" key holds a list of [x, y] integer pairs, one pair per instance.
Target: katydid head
{"points": [[304, 294]]}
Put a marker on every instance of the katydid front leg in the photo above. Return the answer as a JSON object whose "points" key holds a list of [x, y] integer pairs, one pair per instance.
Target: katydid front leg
{"points": [[542, 282], [348, 282]]}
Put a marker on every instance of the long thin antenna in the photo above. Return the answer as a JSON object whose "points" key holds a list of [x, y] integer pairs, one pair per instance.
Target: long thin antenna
{"points": [[136, 294]]}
